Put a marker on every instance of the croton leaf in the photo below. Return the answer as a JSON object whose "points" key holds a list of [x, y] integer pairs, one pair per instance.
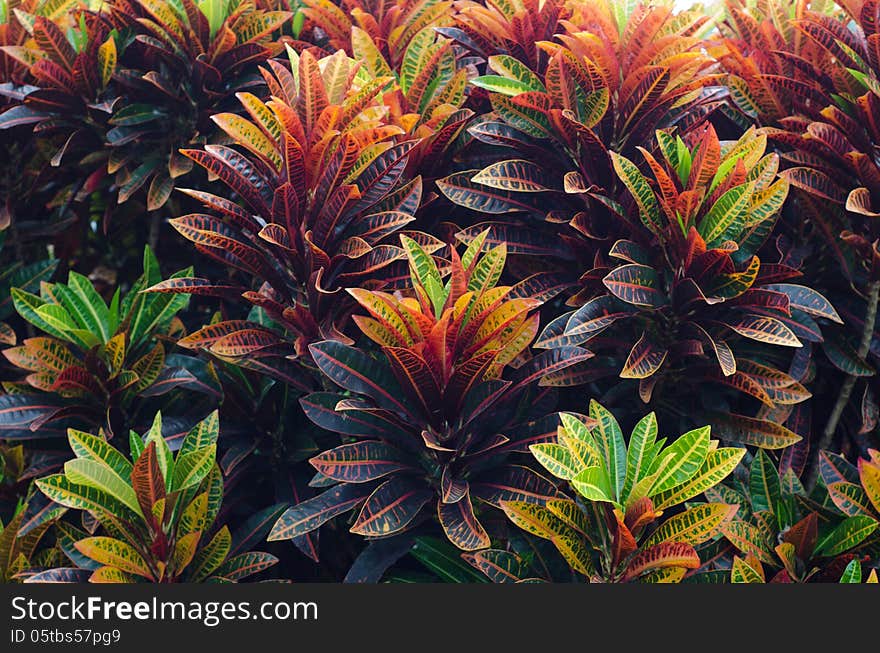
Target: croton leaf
{"points": [[636, 284], [391, 507]]}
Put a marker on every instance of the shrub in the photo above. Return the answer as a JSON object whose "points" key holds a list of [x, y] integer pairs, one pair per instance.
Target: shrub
{"points": [[158, 511], [97, 360], [322, 179], [426, 417], [702, 285], [612, 531]]}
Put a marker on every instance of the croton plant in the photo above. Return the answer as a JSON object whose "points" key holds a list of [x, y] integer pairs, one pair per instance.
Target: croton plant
{"points": [[396, 248], [433, 419]]}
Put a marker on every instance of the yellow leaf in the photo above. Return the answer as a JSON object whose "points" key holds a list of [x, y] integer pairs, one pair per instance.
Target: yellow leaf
{"points": [[741, 572], [107, 59], [693, 526], [184, 551], [114, 553], [869, 474], [249, 136]]}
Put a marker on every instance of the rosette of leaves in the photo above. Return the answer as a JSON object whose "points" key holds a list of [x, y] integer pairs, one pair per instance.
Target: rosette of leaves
{"points": [[835, 140], [816, 95], [775, 71], [157, 512], [782, 533], [693, 286], [508, 28], [183, 63], [68, 96], [12, 33], [94, 361], [390, 25], [431, 422], [428, 94], [605, 82], [321, 176], [16, 30], [613, 531]]}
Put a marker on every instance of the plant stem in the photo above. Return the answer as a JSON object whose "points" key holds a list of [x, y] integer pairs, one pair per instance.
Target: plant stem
{"points": [[846, 389]]}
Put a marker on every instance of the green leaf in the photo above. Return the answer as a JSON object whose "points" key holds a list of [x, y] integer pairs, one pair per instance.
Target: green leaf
{"points": [[97, 311], [669, 148], [211, 556], [214, 484], [424, 272], [488, 269], [612, 447], [640, 189], [57, 317], [91, 447], [764, 486], [154, 311], [684, 160], [27, 304], [681, 460], [503, 85], [136, 445], [194, 517], [528, 112], [82, 471], [847, 535], [190, 469], [557, 460], [474, 248], [577, 429], [719, 464], [215, 12], [202, 435], [592, 483], [444, 560], [163, 453], [639, 452], [726, 219], [852, 573], [81, 497], [539, 521]]}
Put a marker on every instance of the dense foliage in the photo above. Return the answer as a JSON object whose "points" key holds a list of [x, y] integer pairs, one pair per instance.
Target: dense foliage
{"points": [[425, 290]]}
